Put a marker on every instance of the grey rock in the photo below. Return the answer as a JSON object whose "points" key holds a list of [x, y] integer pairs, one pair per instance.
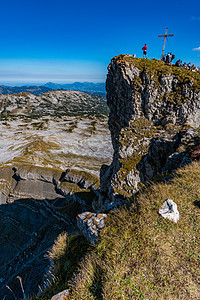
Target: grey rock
{"points": [[52, 103], [90, 225], [138, 104], [169, 211]]}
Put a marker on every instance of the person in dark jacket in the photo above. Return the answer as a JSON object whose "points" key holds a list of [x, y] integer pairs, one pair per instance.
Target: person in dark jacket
{"points": [[144, 51]]}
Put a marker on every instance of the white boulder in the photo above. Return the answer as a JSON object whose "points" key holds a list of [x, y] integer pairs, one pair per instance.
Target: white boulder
{"points": [[169, 211]]}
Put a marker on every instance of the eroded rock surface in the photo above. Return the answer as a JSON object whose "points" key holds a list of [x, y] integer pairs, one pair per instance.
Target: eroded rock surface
{"points": [[81, 142], [154, 123], [52, 103]]}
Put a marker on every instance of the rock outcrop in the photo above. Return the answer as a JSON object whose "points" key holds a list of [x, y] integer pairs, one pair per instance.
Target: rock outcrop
{"points": [[90, 224], [154, 119]]}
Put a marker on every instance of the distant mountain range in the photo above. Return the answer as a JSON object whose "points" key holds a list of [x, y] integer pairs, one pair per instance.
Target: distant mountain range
{"points": [[36, 90], [95, 89]]}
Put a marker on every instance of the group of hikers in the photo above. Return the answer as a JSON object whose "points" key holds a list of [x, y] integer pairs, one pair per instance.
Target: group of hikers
{"points": [[170, 57], [188, 66]]}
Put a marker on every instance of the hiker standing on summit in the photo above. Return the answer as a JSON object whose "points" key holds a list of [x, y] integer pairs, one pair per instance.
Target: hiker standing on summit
{"points": [[145, 51]]}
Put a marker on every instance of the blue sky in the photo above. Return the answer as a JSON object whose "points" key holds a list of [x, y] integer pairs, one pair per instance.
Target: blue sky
{"points": [[65, 41]]}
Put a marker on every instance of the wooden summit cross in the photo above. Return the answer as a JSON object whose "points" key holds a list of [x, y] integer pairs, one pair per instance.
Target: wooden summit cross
{"points": [[165, 36]]}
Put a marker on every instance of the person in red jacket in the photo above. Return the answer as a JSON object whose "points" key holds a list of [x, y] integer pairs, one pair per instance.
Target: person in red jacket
{"points": [[144, 51]]}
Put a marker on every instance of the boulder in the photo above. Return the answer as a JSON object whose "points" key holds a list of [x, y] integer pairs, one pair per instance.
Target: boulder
{"points": [[169, 211], [90, 225]]}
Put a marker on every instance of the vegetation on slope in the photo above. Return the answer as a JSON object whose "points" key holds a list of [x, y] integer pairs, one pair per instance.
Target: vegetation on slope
{"points": [[65, 254], [156, 68], [140, 254], [144, 256]]}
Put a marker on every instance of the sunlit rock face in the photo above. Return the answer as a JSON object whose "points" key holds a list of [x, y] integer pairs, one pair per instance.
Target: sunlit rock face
{"points": [[154, 113], [81, 142]]}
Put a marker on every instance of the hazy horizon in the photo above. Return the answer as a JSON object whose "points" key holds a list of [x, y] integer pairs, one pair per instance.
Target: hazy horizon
{"points": [[67, 41], [12, 84]]}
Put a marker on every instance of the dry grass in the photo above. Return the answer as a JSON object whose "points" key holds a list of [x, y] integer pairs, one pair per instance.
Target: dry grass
{"points": [[144, 256], [59, 247]]}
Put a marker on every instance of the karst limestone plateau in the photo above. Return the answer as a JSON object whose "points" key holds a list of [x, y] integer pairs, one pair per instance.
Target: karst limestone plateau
{"points": [[54, 146]]}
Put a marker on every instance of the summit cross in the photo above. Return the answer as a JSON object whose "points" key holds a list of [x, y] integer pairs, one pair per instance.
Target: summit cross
{"points": [[165, 36]]}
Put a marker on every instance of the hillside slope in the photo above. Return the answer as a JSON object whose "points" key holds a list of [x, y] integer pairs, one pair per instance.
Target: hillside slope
{"points": [[140, 255], [36, 90], [144, 256]]}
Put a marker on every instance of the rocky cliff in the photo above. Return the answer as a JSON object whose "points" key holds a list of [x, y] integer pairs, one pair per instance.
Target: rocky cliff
{"points": [[154, 123]]}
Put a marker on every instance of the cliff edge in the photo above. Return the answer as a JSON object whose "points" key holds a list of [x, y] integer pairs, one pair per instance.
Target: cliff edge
{"points": [[154, 123]]}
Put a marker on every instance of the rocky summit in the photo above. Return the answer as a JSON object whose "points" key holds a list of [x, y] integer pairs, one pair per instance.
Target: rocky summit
{"points": [[61, 171], [154, 123]]}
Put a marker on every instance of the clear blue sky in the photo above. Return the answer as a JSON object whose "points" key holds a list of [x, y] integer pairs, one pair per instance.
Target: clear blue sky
{"points": [[67, 41]]}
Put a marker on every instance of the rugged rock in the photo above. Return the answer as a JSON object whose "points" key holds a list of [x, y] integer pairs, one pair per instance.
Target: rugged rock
{"points": [[52, 103], [37, 204], [169, 211], [90, 225], [154, 119]]}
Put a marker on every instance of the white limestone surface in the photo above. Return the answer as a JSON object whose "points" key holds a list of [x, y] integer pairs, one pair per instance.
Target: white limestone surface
{"points": [[81, 142]]}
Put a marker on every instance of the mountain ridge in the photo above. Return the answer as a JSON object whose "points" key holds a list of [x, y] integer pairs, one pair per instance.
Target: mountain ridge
{"points": [[95, 89]]}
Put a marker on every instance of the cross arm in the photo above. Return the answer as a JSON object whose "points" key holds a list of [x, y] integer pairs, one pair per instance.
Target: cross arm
{"points": [[166, 35]]}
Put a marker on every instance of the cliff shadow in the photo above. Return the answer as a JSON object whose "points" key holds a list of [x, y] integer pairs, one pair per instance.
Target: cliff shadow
{"points": [[28, 229]]}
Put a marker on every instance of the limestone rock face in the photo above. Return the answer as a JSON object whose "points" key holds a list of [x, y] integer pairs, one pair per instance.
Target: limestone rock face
{"points": [[154, 113]]}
